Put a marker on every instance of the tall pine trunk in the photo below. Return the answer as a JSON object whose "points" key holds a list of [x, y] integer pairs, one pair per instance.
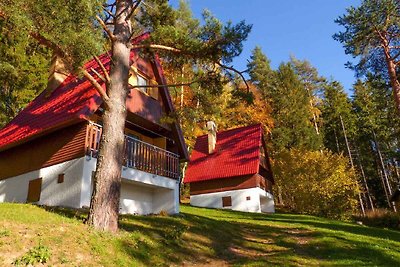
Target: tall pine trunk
{"points": [[391, 66], [104, 206]]}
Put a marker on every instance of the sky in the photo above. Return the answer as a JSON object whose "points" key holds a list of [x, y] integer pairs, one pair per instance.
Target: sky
{"points": [[302, 28]]}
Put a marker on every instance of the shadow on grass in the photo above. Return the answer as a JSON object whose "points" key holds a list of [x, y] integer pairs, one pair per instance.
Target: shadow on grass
{"points": [[202, 236], [77, 214]]}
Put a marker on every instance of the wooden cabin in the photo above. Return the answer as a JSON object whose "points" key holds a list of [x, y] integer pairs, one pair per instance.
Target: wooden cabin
{"points": [[48, 151], [231, 170]]}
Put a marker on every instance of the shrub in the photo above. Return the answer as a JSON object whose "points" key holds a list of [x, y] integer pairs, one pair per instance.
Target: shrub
{"points": [[380, 218], [38, 254], [174, 233], [315, 183]]}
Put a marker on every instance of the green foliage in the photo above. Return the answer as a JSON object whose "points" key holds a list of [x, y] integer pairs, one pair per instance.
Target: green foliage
{"points": [[23, 70], [380, 218], [67, 27], [38, 254], [316, 183]]}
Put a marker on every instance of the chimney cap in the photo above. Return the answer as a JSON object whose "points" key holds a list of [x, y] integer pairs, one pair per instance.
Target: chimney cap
{"points": [[211, 126]]}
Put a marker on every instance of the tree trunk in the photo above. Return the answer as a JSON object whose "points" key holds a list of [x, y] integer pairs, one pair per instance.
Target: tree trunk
{"points": [[385, 181], [104, 205], [352, 165], [393, 77]]}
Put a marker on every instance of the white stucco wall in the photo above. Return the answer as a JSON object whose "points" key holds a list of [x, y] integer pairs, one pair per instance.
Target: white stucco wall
{"points": [[136, 199], [141, 192], [239, 201], [15, 189]]}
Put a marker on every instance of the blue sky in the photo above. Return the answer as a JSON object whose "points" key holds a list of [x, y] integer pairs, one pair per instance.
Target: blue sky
{"points": [[302, 28]]}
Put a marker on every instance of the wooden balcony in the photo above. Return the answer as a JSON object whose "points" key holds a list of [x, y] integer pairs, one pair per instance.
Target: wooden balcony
{"points": [[138, 154]]}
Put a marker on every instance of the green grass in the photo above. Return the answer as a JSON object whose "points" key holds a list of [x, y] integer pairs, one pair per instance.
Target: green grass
{"points": [[196, 236]]}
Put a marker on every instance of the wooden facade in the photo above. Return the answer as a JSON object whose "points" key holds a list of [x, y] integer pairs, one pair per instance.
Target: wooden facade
{"points": [[57, 147], [231, 183]]}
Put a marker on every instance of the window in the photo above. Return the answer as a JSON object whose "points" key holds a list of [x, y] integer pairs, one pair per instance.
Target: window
{"points": [[34, 190], [60, 179], [227, 201], [248, 198], [142, 81]]}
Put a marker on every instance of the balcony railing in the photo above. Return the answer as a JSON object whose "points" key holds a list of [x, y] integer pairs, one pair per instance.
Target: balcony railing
{"points": [[138, 154]]}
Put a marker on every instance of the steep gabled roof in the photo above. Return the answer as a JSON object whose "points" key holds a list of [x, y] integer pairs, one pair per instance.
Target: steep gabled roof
{"points": [[237, 153], [73, 101]]}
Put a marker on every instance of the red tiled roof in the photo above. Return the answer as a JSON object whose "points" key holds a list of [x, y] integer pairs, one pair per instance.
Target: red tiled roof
{"points": [[237, 153], [75, 99]]}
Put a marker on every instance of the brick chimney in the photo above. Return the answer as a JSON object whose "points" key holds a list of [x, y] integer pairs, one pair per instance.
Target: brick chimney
{"points": [[212, 136], [57, 74]]}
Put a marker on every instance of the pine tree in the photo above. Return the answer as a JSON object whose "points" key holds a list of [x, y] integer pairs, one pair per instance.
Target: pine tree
{"points": [[336, 106]]}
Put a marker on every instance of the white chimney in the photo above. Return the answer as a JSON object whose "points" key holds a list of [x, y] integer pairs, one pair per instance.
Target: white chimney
{"points": [[58, 73], [212, 136]]}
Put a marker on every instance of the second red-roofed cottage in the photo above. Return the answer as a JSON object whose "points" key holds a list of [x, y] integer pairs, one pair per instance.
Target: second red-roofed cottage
{"points": [[48, 151], [231, 170]]}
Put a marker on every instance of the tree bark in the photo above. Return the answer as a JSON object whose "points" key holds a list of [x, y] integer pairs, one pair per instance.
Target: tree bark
{"points": [[392, 75], [104, 206]]}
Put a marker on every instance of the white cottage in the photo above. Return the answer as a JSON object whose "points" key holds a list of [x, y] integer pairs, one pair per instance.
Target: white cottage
{"points": [[231, 170]]}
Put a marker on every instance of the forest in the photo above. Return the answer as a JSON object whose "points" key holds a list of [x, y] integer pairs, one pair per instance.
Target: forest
{"points": [[335, 153]]}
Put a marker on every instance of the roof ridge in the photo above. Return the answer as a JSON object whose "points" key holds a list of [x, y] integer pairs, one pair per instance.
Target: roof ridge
{"points": [[232, 129]]}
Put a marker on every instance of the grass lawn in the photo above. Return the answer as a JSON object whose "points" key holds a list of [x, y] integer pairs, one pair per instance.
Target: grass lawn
{"points": [[201, 237]]}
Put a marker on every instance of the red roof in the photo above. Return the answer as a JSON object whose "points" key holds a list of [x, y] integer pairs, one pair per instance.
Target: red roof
{"points": [[237, 153]]}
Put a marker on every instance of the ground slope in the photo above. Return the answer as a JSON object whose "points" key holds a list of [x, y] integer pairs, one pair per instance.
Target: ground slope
{"points": [[201, 237]]}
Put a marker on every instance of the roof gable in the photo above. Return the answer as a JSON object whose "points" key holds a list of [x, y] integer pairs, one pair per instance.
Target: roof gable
{"points": [[237, 153]]}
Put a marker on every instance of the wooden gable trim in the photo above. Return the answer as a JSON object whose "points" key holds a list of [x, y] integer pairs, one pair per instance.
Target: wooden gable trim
{"points": [[270, 173], [169, 107]]}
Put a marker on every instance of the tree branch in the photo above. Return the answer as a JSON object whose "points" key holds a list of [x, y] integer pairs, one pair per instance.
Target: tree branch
{"points": [[133, 10], [42, 40], [110, 14], [96, 85], [240, 73], [155, 46], [105, 28], [98, 75], [165, 85], [103, 68]]}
